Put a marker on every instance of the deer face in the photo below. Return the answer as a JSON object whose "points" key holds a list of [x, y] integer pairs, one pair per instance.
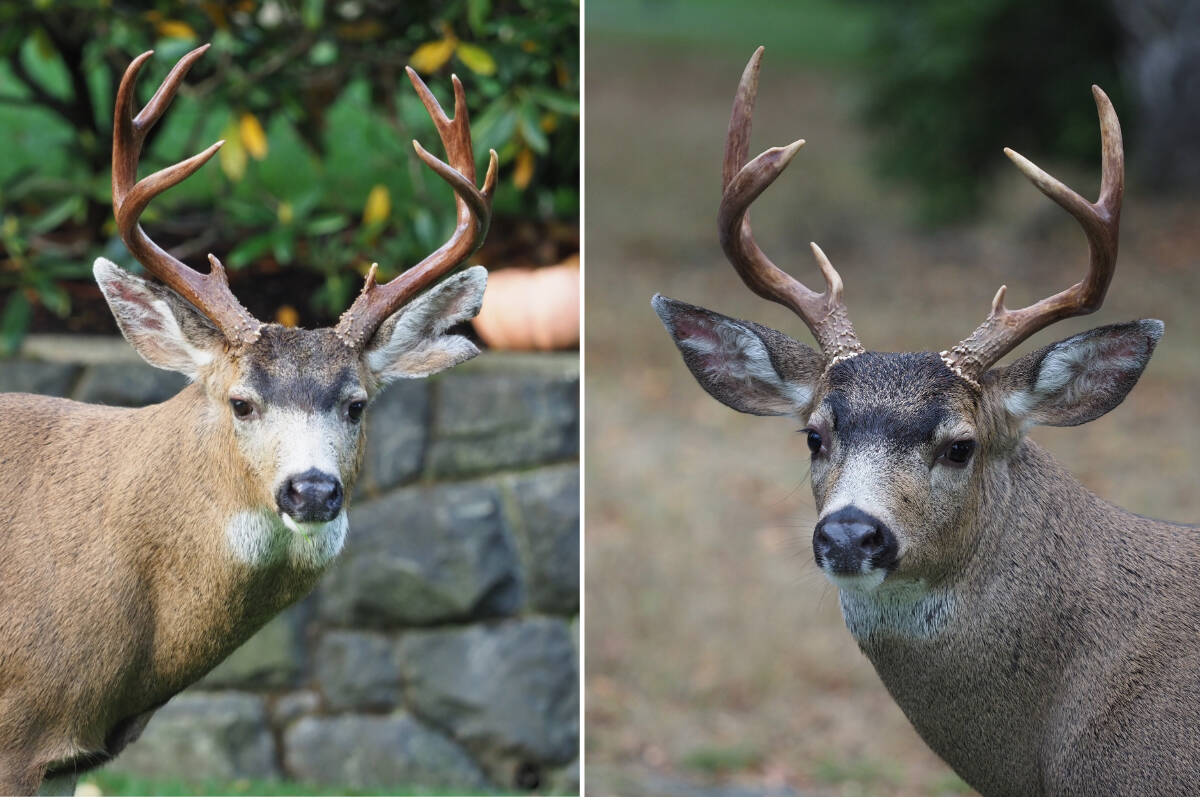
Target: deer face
{"points": [[898, 442], [293, 402]]}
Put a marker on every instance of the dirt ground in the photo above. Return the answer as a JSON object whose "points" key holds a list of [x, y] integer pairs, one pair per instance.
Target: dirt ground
{"points": [[717, 659]]}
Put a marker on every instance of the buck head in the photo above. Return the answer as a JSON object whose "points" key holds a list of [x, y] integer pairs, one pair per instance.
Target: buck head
{"points": [[291, 401], [899, 443]]}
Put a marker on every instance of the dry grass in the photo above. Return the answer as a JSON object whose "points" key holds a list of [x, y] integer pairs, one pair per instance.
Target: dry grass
{"points": [[716, 654]]}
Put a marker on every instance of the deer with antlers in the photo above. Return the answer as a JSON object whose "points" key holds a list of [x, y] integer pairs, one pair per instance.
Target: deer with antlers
{"points": [[1040, 639], [139, 547]]}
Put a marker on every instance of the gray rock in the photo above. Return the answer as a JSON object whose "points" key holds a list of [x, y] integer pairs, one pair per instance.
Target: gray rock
{"points": [[36, 377], [547, 526], [563, 782], [358, 671], [484, 422], [424, 555], [509, 692], [397, 427], [287, 708], [204, 735], [364, 752], [128, 385], [273, 658]]}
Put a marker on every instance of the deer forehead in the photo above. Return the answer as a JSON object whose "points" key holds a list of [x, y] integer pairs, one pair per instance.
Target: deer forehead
{"points": [[903, 400], [307, 370]]}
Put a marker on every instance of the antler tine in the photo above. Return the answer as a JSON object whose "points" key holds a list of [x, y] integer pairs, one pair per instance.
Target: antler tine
{"points": [[377, 301], [1005, 328], [742, 183], [210, 292]]}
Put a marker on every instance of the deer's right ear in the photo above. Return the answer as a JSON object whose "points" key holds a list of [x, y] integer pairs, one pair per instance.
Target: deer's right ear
{"points": [[164, 329], [747, 366]]}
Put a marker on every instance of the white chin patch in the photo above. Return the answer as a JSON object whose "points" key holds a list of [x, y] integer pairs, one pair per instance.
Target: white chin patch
{"points": [[864, 583], [261, 537]]}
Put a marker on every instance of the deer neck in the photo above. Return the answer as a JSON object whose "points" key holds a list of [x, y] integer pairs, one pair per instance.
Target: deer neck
{"points": [[192, 497], [992, 653]]}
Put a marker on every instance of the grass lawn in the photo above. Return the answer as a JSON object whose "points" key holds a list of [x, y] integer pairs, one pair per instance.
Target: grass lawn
{"points": [[110, 783]]}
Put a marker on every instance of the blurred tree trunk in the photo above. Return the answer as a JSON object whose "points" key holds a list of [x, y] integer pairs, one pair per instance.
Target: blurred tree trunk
{"points": [[1162, 67]]}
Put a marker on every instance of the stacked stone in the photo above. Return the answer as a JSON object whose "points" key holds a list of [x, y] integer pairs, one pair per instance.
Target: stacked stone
{"points": [[440, 650]]}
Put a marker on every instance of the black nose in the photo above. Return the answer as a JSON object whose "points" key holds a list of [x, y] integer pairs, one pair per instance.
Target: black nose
{"points": [[849, 538], [312, 496]]}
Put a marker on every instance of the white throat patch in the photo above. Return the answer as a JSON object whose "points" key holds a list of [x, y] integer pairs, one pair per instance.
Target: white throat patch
{"points": [[259, 538], [908, 609]]}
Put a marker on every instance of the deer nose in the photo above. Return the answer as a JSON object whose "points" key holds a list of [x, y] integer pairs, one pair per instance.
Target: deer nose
{"points": [[849, 539], [312, 496]]}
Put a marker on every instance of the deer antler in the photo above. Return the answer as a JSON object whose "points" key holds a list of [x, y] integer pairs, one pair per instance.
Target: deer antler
{"points": [[376, 302], [825, 313], [1005, 328], [210, 292]]}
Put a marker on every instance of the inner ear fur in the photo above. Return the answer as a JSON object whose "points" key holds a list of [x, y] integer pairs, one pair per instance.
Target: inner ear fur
{"points": [[1078, 379], [747, 366]]}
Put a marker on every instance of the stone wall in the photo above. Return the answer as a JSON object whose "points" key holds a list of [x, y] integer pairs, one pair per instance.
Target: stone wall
{"points": [[440, 650]]}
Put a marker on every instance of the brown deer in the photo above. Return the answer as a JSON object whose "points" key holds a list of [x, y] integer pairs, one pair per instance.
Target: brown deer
{"points": [[139, 547], [1040, 639]]}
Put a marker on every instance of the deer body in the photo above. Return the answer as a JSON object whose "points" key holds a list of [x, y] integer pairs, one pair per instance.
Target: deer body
{"points": [[1040, 639], [138, 548], [138, 553]]}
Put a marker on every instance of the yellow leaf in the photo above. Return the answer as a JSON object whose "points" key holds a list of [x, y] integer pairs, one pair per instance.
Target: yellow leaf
{"points": [[287, 316], [549, 122], [379, 205], [286, 213], [254, 139], [477, 59], [523, 173], [432, 56], [174, 29], [232, 154]]}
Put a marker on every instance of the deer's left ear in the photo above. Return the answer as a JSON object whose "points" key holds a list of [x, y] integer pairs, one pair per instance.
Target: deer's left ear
{"points": [[413, 343], [1078, 379]]}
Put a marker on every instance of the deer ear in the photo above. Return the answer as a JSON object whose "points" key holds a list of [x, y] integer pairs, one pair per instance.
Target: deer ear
{"points": [[748, 367], [412, 343], [1079, 379], [164, 329]]}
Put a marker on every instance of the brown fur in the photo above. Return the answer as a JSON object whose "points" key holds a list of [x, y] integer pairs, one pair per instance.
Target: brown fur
{"points": [[139, 552]]}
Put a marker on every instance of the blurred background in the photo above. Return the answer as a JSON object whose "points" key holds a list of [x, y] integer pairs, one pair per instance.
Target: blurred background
{"points": [[440, 654], [717, 660]]}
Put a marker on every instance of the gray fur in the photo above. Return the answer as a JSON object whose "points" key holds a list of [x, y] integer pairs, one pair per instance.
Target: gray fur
{"points": [[1041, 640]]}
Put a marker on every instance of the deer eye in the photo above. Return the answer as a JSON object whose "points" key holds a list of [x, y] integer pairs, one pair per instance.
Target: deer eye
{"points": [[354, 410], [242, 409], [814, 441], [958, 452]]}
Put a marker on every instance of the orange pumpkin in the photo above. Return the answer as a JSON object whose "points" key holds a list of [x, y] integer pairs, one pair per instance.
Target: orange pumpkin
{"points": [[531, 309]]}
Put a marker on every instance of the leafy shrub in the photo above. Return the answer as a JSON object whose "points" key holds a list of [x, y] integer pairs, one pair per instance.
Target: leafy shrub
{"points": [[950, 83], [317, 178]]}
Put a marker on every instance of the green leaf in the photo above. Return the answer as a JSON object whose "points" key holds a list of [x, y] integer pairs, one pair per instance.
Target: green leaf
{"points": [[56, 215], [324, 225], [477, 14], [555, 101], [495, 126], [531, 129], [312, 12], [250, 250], [14, 323]]}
